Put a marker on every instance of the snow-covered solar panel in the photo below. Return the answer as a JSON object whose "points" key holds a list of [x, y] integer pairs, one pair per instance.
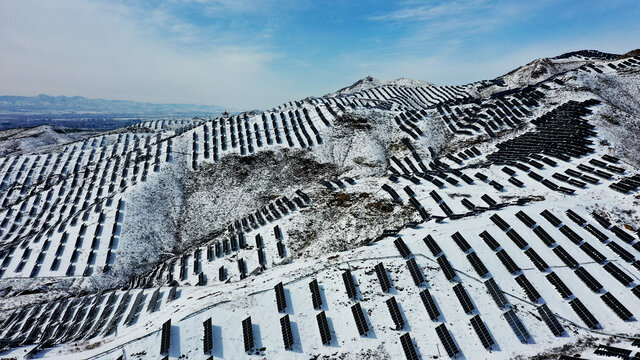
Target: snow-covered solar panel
{"points": [[394, 311], [287, 336], [429, 304], [482, 332], [496, 294], [323, 326], [517, 326], [477, 264], [463, 298], [584, 314], [461, 242], [247, 334], [528, 288], [349, 285], [446, 267], [614, 304], [445, 337], [414, 270], [281, 300], [316, 299], [358, 316], [550, 319], [432, 245], [560, 286], [402, 247], [489, 240], [383, 278], [588, 279], [408, 347]]}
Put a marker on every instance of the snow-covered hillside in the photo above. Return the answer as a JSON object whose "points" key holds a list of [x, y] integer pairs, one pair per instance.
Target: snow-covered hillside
{"points": [[401, 219]]}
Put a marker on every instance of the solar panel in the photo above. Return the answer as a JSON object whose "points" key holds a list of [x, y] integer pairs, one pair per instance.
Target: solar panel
{"points": [[583, 313], [508, 262], [588, 280], [517, 326], [517, 239], [347, 278], [414, 270], [482, 331], [381, 272], [323, 326], [624, 254], [394, 310], [593, 253], [565, 257], [358, 316], [446, 209], [618, 274], [429, 304], [432, 245], [287, 336], [571, 235], [539, 263], [498, 221], [165, 338], [408, 347], [281, 301], [528, 288], [560, 286], [445, 337], [280, 247], [544, 236], [550, 319], [612, 351], [446, 267], [247, 334], [463, 297], [617, 307], [477, 264], [496, 293], [316, 299], [461, 242], [402, 247], [575, 217], [208, 336], [597, 233], [551, 218], [489, 240], [486, 198]]}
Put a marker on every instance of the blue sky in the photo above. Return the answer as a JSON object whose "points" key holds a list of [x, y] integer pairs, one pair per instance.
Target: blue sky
{"points": [[258, 54]]}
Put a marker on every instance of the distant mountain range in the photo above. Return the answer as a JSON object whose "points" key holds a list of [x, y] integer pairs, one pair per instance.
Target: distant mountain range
{"points": [[52, 105]]}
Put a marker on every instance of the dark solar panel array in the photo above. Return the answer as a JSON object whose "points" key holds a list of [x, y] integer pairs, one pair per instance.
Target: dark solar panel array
{"points": [[463, 298], [323, 326], [588, 279], [593, 253], [489, 240], [517, 239], [416, 273], [165, 338], [482, 332], [528, 288], [618, 274], [449, 345], [544, 236], [563, 290], [402, 247], [571, 235], [316, 299], [247, 334], [575, 217], [408, 347], [347, 278], [287, 336], [583, 313], [461, 242], [539, 263], [551, 218], [429, 304], [612, 351], [517, 326], [208, 336], [565, 257], [498, 221], [381, 272], [496, 293], [550, 319], [432, 245], [525, 218], [446, 267], [614, 304], [624, 254], [358, 316], [394, 310], [508, 262], [477, 264], [281, 301]]}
